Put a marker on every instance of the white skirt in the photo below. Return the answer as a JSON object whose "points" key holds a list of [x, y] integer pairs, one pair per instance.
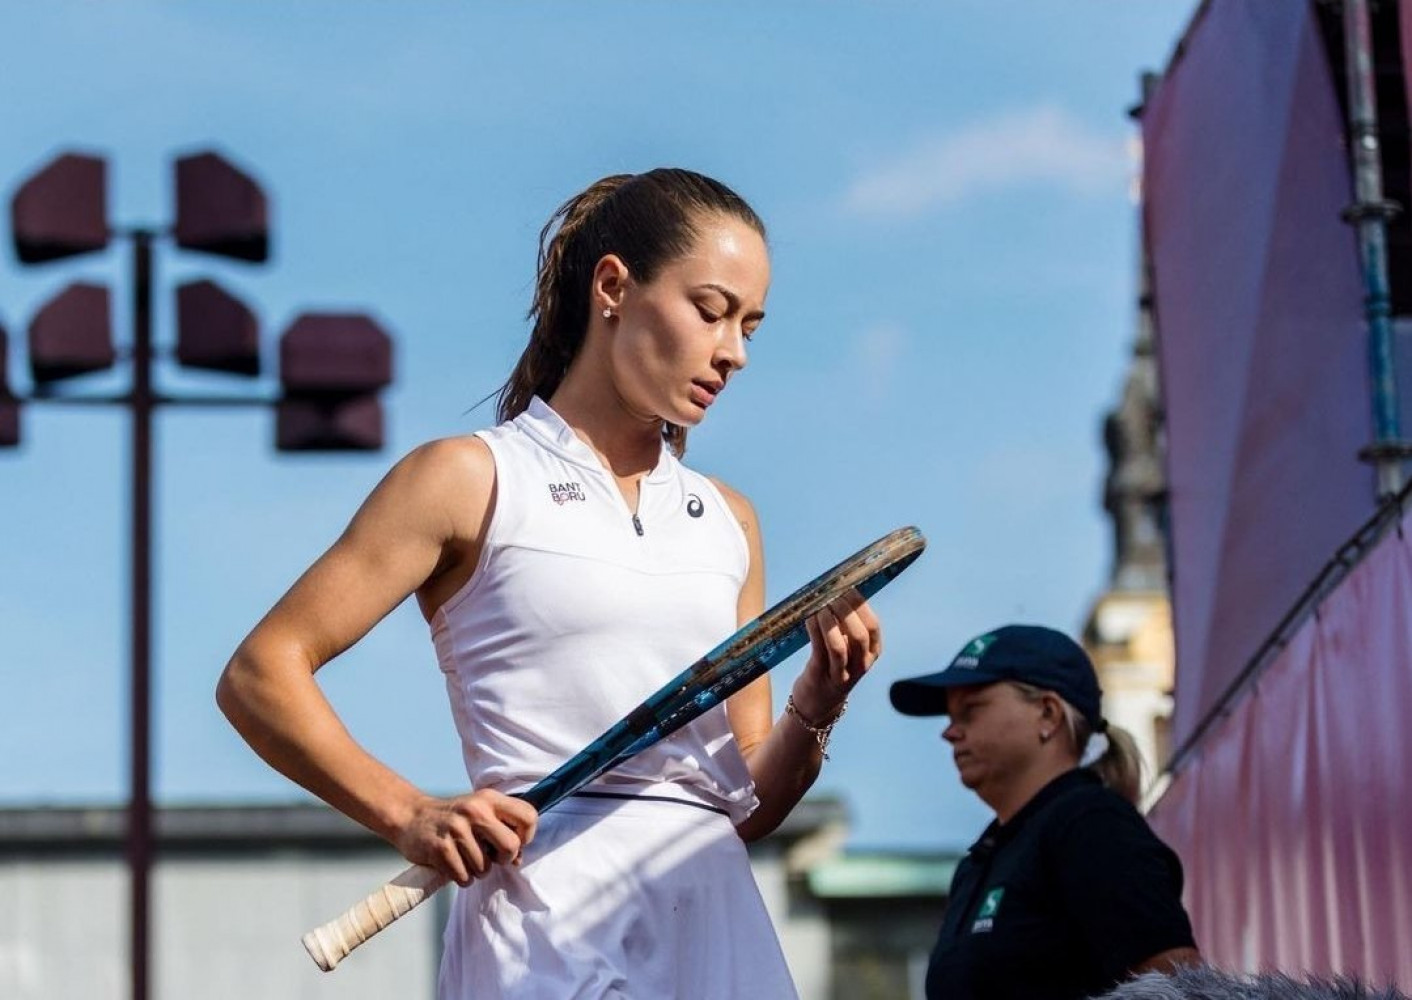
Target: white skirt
{"points": [[618, 899]]}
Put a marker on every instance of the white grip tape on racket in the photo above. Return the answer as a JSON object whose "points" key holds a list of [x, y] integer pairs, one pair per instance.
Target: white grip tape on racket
{"points": [[330, 944]]}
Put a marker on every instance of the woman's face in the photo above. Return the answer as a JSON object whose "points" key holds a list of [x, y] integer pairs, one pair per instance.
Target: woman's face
{"points": [[681, 337], [994, 734]]}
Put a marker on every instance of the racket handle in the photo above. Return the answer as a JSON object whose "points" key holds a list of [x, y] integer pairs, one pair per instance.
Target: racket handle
{"points": [[330, 944]]}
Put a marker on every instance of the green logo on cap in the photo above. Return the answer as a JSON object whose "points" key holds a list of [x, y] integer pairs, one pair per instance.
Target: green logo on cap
{"points": [[975, 649], [978, 646]]}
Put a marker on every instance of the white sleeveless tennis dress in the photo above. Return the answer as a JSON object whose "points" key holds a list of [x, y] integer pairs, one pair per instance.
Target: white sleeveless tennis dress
{"points": [[579, 609]]}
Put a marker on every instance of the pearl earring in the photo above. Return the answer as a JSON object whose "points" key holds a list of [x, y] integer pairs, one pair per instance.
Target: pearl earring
{"points": [[607, 314]]}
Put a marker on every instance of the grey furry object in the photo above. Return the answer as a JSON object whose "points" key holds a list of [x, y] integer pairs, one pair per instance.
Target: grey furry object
{"points": [[1205, 983]]}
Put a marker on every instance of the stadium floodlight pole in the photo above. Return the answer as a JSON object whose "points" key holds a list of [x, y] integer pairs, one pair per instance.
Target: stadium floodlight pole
{"points": [[329, 404], [1370, 213], [139, 830]]}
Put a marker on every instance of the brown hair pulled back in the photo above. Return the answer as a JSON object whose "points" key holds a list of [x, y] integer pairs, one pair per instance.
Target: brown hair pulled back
{"points": [[648, 220]]}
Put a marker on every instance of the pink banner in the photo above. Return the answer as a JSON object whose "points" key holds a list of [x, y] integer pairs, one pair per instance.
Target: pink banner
{"points": [[1258, 302], [1294, 820], [1404, 17]]}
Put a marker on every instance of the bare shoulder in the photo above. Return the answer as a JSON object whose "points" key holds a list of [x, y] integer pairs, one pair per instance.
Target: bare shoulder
{"points": [[442, 488], [740, 506], [459, 459], [456, 466], [431, 511]]}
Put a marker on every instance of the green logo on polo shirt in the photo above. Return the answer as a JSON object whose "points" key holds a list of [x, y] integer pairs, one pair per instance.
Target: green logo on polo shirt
{"points": [[985, 916]]}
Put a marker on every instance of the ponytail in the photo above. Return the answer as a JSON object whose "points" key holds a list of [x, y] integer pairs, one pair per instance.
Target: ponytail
{"points": [[559, 309], [1120, 764]]}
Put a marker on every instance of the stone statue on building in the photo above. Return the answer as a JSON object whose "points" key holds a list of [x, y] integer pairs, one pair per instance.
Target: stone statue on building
{"points": [[1135, 488]]}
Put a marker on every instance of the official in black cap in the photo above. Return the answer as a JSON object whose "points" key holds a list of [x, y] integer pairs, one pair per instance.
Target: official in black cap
{"points": [[1068, 891]]}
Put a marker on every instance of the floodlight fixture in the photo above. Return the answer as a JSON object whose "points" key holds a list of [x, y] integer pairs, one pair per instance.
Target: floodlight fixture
{"points": [[72, 334], [9, 405], [333, 367], [329, 423], [220, 209], [62, 210], [215, 330], [9, 421], [335, 352]]}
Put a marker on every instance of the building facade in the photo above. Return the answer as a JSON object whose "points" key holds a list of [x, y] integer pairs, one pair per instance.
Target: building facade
{"points": [[235, 887]]}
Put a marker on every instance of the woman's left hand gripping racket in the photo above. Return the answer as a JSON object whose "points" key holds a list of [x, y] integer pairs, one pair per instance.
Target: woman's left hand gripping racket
{"points": [[751, 651]]}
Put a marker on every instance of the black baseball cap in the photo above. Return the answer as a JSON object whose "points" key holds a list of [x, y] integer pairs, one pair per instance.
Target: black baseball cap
{"points": [[1031, 654]]}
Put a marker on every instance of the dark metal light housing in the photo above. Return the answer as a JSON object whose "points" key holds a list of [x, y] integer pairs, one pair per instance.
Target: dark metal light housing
{"points": [[9, 421], [72, 334], [331, 367], [220, 209], [9, 405], [335, 352], [62, 210], [328, 423], [215, 330]]}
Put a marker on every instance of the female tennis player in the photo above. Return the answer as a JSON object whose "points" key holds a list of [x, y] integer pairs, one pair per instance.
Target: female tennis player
{"points": [[568, 564]]}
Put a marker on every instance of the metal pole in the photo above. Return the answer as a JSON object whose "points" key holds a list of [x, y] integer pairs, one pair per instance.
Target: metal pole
{"points": [[1369, 213], [139, 831]]}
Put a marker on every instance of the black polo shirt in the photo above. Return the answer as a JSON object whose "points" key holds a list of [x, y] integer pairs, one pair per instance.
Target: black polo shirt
{"points": [[1061, 902]]}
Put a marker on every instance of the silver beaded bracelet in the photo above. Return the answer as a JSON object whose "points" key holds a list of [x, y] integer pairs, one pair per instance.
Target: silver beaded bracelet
{"points": [[822, 733]]}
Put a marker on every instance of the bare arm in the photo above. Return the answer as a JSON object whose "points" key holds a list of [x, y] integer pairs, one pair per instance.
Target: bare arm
{"points": [[783, 756], [422, 522]]}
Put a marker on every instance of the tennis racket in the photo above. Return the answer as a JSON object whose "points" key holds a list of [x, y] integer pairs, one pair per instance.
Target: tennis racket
{"points": [[755, 648]]}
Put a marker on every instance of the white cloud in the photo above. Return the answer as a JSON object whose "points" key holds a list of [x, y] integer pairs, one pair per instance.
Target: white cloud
{"points": [[1043, 145]]}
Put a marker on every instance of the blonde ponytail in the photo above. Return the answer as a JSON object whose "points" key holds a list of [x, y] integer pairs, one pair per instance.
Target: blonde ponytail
{"points": [[1119, 767]]}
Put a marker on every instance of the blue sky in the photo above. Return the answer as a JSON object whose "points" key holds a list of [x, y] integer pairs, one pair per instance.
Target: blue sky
{"points": [[948, 190]]}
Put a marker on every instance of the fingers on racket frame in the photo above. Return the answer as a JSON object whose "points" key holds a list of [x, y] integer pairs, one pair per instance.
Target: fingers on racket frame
{"points": [[752, 650]]}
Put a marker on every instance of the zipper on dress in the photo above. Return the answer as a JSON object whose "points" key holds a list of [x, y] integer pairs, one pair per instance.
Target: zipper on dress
{"points": [[637, 526]]}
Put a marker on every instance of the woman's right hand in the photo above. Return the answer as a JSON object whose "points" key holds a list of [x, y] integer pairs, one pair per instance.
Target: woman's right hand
{"points": [[462, 837]]}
